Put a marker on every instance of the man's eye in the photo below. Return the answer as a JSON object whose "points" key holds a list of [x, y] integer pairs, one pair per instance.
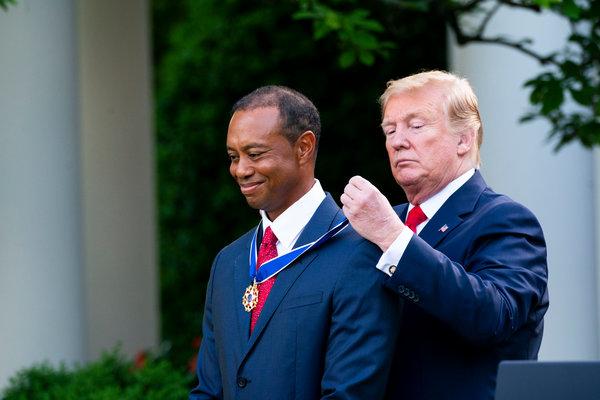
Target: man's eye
{"points": [[389, 132], [232, 157], [253, 155]]}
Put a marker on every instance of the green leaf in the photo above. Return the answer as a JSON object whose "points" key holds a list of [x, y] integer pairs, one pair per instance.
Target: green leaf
{"points": [[546, 3], [589, 132], [359, 14], [332, 19], [583, 96], [367, 58], [537, 94], [347, 58], [371, 25], [570, 69], [570, 9], [364, 40], [321, 30], [552, 98], [298, 15]]}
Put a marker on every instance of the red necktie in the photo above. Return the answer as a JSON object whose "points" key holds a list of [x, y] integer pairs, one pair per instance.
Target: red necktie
{"points": [[266, 251], [415, 217]]}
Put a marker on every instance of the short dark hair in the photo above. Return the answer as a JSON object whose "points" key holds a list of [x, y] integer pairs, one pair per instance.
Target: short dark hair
{"points": [[297, 113]]}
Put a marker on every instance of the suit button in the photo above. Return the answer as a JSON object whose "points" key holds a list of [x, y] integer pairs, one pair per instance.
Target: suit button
{"points": [[242, 382]]}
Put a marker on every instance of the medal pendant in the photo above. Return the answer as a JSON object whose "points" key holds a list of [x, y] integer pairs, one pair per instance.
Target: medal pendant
{"points": [[250, 298]]}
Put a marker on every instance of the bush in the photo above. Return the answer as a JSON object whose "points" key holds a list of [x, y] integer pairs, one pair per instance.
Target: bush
{"points": [[112, 377]]}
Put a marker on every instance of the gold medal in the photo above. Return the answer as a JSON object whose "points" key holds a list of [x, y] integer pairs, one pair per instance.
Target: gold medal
{"points": [[250, 298]]}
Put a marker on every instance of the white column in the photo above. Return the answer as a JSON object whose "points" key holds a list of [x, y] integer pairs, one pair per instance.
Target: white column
{"points": [[558, 187], [118, 175], [41, 299], [596, 156]]}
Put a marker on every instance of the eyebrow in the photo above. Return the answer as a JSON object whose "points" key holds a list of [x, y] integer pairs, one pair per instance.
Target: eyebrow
{"points": [[251, 146], [419, 114]]}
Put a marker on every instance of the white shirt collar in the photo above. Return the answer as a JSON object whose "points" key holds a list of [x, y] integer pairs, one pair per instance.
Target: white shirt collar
{"points": [[435, 202], [288, 226]]}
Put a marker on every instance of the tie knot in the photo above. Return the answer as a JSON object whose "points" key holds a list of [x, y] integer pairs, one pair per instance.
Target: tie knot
{"points": [[269, 238], [268, 248], [415, 217]]}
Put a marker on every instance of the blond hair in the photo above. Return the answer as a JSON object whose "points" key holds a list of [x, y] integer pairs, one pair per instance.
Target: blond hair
{"points": [[461, 104]]}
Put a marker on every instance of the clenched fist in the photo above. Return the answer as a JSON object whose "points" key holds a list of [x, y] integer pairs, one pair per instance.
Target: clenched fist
{"points": [[370, 213]]}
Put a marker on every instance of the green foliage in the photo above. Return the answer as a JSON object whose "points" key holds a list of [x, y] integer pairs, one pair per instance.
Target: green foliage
{"points": [[572, 73], [355, 30], [209, 53], [110, 378], [5, 3]]}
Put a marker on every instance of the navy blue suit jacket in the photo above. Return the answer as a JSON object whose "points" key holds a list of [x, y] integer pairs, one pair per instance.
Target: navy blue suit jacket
{"points": [[325, 331], [475, 288]]}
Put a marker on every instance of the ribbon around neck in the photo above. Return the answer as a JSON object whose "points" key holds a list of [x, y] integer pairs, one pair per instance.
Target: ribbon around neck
{"points": [[275, 265]]}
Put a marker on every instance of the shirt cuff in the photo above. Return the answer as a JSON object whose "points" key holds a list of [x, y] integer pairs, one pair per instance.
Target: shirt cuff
{"points": [[389, 260]]}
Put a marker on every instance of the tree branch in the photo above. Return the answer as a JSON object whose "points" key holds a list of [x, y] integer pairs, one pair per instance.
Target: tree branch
{"points": [[544, 60], [468, 6], [487, 18], [463, 38], [532, 7]]}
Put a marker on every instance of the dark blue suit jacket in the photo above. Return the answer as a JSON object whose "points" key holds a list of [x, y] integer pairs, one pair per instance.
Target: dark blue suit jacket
{"points": [[475, 288], [325, 331]]}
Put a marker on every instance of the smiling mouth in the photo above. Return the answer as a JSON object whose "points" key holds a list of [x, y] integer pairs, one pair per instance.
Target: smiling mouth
{"points": [[249, 188]]}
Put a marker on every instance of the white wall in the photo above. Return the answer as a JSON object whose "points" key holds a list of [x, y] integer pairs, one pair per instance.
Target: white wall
{"points": [[558, 187]]}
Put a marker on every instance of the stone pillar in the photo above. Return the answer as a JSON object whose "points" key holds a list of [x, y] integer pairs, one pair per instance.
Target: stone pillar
{"points": [[558, 187], [41, 297], [118, 175]]}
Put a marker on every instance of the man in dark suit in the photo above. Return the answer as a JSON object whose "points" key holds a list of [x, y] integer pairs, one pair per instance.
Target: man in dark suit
{"points": [[321, 326], [469, 263]]}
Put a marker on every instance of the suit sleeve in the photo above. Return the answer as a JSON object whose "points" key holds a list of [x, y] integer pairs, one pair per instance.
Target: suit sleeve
{"points": [[207, 370], [362, 334], [492, 294]]}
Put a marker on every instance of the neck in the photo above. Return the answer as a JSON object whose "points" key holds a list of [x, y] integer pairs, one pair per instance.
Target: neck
{"points": [[299, 190]]}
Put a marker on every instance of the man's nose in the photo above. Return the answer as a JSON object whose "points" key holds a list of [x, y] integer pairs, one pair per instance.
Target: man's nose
{"points": [[399, 140], [243, 168]]}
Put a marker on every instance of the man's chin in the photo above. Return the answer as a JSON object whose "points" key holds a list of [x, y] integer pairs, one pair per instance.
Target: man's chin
{"points": [[253, 202], [407, 180]]}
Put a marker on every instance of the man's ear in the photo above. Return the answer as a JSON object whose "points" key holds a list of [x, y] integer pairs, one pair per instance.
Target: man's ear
{"points": [[466, 141], [306, 146]]}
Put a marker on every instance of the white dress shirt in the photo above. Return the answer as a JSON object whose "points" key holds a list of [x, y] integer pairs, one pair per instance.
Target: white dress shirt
{"points": [[389, 259], [288, 226]]}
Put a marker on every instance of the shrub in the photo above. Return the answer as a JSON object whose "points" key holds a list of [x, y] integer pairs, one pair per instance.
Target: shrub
{"points": [[112, 377]]}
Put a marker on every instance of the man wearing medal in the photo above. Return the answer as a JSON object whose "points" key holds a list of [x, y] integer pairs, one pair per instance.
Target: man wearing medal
{"points": [[293, 309]]}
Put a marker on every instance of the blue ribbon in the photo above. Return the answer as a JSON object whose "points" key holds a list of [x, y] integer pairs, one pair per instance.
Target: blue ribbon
{"points": [[275, 265]]}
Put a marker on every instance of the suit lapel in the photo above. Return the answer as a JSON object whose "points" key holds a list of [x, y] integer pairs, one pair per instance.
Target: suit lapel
{"points": [[241, 282], [322, 220], [451, 214]]}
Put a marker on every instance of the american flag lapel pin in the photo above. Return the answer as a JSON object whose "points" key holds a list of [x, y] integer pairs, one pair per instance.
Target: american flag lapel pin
{"points": [[444, 228]]}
